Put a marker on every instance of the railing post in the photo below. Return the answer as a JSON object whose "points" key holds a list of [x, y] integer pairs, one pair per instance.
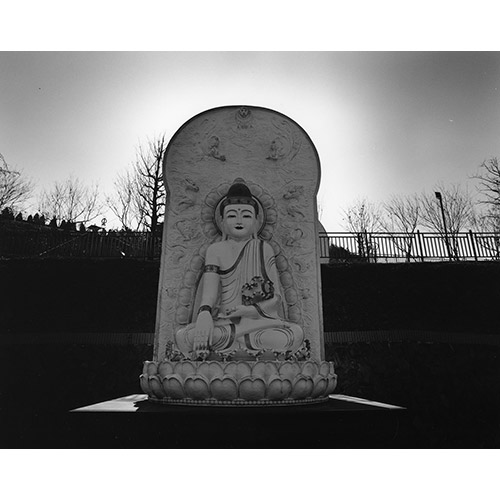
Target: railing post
{"points": [[419, 239], [473, 245]]}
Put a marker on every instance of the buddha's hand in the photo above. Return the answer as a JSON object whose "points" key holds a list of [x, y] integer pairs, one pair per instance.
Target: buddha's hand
{"points": [[203, 333], [243, 312]]}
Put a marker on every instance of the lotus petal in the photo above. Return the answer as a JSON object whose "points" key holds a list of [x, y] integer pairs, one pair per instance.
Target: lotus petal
{"points": [[190, 278], [264, 370], [266, 200], [212, 199], [289, 370], [184, 296], [291, 296], [197, 262], [237, 369], [223, 189], [332, 384], [256, 190], [324, 368], [210, 369], [174, 386], [320, 386], [197, 387], [224, 388], [156, 386], [332, 368], [278, 389], [184, 368], [209, 229], [145, 385], [310, 368], [182, 315], [150, 368], [252, 389], [165, 368], [302, 387], [271, 216], [286, 278], [282, 265]]}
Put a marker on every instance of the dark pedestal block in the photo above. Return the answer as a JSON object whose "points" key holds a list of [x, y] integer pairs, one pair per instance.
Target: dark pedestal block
{"points": [[133, 422]]}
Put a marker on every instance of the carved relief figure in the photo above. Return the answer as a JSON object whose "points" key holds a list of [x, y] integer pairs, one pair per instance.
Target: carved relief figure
{"points": [[241, 303], [276, 150], [213, 148]]}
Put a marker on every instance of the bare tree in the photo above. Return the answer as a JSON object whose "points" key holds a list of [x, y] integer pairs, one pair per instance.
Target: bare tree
{"points": [[149, 171], [71, 201], [126, 203], [488, 176], [458, 208], [488, 221], [363, 218], [140, 193], [448, 211], [402, 215], [15, 190]]}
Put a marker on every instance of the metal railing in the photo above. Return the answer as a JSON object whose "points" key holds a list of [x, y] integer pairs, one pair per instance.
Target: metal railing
{"points": [[79, 245], [411, 247], [336, 247]]}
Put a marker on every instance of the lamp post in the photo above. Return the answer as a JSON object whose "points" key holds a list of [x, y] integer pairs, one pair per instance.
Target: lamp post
{"points": [[440, 198]]}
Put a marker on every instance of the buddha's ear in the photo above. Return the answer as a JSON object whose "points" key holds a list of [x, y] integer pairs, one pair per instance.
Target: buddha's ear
{"points": [[255, 227], [223, 228]]}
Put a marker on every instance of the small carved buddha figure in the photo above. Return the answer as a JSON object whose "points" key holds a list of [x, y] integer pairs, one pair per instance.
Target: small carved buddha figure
{"points": [[241, 282]]}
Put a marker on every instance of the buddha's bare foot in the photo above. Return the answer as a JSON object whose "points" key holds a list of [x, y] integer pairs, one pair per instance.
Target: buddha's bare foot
{"points": [[201, 344]]}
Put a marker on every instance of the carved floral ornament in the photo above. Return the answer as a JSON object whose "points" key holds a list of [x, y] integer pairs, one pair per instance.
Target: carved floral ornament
{"points": [[244, 118]]}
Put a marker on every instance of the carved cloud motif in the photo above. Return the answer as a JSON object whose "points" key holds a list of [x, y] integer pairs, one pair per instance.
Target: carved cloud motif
{"points": [[190, 196], [296, 202]]}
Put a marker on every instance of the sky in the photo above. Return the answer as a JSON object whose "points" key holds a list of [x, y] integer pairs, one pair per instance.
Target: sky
{"points": [[383, 123]]}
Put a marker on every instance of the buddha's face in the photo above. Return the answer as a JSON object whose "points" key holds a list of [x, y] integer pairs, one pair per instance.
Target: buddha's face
{"points": [[239, 221]]}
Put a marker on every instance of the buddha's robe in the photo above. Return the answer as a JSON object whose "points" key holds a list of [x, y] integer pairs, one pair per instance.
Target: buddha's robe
{"points": [[251, 280]]}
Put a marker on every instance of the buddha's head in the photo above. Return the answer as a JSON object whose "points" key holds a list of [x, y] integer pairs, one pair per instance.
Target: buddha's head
{"points": [[239, 212]]}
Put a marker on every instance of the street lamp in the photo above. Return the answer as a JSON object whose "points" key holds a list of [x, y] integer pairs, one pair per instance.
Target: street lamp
{"points": [[440, 198]]}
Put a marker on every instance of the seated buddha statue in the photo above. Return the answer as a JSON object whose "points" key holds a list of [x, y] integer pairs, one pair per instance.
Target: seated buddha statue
{"points": [[241, 306]]}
